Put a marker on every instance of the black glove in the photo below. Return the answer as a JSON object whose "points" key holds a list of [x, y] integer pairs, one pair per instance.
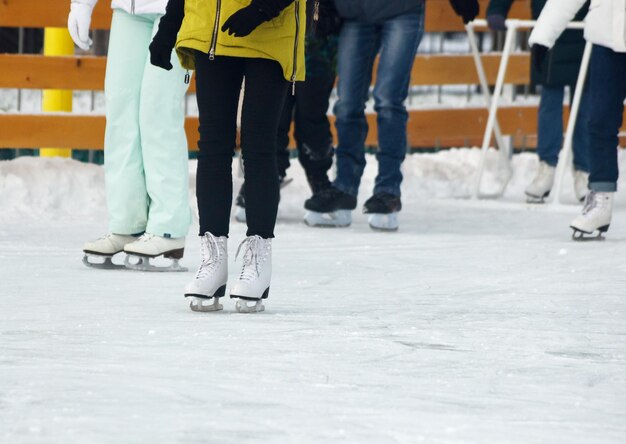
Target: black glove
{"points": [[496, 22], [244, 21], [538, 55], [164, 40], [468, 9], [160, 54]]}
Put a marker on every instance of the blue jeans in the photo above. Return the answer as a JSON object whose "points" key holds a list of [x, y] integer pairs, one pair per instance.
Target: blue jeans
{"points": [[607, 82], [550, 128], [396, 40]]}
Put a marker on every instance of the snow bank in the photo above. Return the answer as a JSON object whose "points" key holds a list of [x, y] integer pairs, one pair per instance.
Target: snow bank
{"points": [[52, 188]]}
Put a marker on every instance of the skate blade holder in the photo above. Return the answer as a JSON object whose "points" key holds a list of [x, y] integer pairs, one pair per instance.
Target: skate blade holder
{"points": [[584, 236], [246, 306], [101, 262], [384, 222], [142, 263], [205, 305], [339, 218]]}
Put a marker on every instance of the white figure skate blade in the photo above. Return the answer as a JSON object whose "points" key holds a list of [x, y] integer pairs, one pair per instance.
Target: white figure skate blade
{"points": [[240, 214], [341, 218], [205, 305], [583, 236], [101, 262], [141, 263], [243, 306], [384, 222]]}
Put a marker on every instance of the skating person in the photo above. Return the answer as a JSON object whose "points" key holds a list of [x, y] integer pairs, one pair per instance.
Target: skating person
{"points": [[226, 42], [308, 107], [560, 69], [146, 160], [605, 27], [393, 30]]}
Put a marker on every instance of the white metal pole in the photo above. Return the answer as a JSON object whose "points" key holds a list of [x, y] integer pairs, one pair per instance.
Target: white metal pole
{"points": [[565, 159], [508, 47], [482, 77]]}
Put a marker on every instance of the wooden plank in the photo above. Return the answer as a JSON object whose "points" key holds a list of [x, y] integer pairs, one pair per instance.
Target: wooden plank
{"points": [[67, 130], [39, 72], [441, 18], [87, 73], [444, 69], [426, 128], [48, 13], [42, 13]]}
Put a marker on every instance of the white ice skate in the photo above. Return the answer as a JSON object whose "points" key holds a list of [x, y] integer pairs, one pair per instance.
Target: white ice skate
{"points": [[541, 185], [384, 222], [101, 251], [209, 284], [337, 219], [581, 188], [253, 284], [150, 246], [596, 216]]}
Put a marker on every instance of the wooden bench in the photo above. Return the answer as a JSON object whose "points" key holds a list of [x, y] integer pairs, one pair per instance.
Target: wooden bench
{"points": [[427, 128]]}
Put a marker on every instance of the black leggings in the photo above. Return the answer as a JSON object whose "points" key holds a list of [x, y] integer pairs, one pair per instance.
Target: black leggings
{"points": [[218, 85]]}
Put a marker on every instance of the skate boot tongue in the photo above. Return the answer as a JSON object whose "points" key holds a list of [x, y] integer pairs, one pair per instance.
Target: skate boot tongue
{"points": [[211, 255], [250, 268]]}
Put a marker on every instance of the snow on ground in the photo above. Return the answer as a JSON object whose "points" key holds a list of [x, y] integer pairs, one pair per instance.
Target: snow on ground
{"points": [[478, 322]]}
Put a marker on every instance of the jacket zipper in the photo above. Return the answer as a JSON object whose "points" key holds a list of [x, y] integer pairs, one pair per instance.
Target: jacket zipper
{"points": [[215, 31], [132, 7], [295, 50]]}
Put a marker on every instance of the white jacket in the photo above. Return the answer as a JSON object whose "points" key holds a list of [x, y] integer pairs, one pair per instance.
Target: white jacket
{"points": [[132, 6], [605, 24]]}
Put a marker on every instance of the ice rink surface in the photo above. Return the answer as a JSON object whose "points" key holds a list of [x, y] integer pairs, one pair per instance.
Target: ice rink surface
{"points": [[478, 322]]}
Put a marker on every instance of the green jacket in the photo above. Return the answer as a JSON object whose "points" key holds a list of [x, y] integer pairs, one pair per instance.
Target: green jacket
{"points": [[280, 39], [563, 61]]}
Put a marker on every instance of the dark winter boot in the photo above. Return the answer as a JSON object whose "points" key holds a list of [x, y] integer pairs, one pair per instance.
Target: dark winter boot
{"points": [[382, 203], [383, 211], [329, 208]]}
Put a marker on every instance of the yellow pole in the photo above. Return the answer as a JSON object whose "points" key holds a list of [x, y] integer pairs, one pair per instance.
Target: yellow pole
{"points": [[57, 42]]}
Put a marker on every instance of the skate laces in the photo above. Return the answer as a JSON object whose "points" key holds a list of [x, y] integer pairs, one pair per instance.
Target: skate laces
{"points": [[146, 237], [211, 255], [593, 201], [251, 246]]}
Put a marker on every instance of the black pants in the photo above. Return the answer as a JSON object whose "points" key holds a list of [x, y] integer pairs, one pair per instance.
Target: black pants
{"points": [[308, 108], [218, 85]]}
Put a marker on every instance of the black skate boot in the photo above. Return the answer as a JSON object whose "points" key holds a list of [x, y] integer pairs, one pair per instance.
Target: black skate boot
{"points": [[329, 208], [383, 209]]}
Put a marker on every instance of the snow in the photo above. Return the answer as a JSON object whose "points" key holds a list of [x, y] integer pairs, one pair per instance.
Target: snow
{"points": [[478, 322]]}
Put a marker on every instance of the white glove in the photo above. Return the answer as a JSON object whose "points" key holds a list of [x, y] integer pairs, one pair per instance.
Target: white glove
{"points": [[78, 23]]}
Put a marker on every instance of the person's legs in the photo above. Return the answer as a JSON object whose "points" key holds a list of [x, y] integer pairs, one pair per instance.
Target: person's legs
{"points": [[127, 197], [400, 39], [550, 124], [264, 97], [358, 46], [218, 131], [164, 148], [607, 83], [315, 143]]}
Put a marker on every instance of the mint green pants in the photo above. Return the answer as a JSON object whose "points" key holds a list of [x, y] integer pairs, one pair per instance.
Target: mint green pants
{"points": [[145, 148]]}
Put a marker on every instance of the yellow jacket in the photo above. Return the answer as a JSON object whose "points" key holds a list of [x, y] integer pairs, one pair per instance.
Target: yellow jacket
{"points": [[280, 39]]}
